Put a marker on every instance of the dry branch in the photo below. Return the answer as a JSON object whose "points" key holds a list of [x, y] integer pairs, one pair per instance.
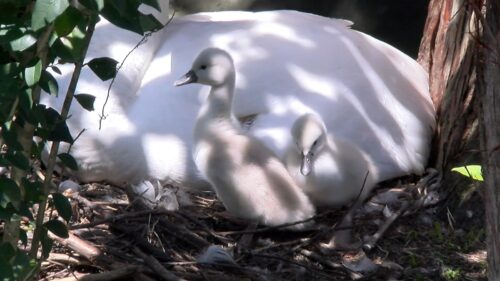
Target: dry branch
{"points": [[117, 274], [157, 267], [82, 247]]}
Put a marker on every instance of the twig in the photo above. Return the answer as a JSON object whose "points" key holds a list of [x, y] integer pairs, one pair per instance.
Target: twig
{"points": [[276, 245], [322, 260], [55, 145], [156, 266], [372, 241], [75, 139], [63, 258], [143, 39], [82, 247], [119, 217], [117, 274], [179, 232], [276, 227], [184, 234], [404, 209], [203, 226], [142, 242], [294, 263]]}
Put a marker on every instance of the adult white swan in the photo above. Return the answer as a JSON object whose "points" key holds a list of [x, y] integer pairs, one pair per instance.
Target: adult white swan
{"points": [[287, 63]]}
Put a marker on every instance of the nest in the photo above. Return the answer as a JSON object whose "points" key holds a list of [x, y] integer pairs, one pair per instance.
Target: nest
{"points": [[115, 236]]}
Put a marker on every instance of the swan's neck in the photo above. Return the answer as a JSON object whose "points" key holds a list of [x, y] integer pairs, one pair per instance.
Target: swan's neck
{"points": [[217, 108]]}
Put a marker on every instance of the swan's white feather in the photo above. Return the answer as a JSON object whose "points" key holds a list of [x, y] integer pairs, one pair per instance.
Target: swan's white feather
{"points": [[287, 64]]}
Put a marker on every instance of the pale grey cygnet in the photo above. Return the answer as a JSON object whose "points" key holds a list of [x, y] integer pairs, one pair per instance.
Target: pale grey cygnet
{"points": [[248, 177]]}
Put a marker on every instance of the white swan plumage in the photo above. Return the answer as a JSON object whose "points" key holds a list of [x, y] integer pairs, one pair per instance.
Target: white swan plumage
{"points": [[287, 64], [91, 150], [248, 178]]}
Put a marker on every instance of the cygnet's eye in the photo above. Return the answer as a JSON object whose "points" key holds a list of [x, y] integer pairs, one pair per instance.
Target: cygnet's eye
{"points": [[203, 67], [315, 143]]}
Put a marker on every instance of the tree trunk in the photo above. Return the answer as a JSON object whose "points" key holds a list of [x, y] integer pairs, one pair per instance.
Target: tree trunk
{"points": [[448, 52], [489, 90], [461, 50]]}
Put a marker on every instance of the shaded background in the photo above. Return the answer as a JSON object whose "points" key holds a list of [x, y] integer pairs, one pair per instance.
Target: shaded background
{"points": [[397, 22]]}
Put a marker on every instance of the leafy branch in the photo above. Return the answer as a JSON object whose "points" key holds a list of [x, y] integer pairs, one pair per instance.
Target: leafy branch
{"points": [[33, 36]]}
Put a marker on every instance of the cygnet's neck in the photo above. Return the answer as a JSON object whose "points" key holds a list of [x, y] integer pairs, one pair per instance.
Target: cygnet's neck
{"points": [[217, 107]]}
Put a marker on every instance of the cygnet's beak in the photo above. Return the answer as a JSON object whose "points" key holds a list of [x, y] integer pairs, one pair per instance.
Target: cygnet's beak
{"points": [[188, 78], [305, 166]]}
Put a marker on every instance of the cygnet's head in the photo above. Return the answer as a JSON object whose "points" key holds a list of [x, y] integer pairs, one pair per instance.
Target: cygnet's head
{"points": [[309, 134], [212, 67]]}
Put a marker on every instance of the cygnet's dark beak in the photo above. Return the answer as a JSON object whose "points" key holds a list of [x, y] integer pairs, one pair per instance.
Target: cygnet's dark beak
{"points": [[188, 78], [305, 166]]}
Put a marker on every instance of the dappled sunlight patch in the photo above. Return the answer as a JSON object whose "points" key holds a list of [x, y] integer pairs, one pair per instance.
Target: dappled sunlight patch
{"points": [[314, 83], [477, 257], [284, 32]]}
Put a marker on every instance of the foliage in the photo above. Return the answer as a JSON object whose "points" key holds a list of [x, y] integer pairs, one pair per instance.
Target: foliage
{"points": [[470, 171], [451, 274], [36, 36]]}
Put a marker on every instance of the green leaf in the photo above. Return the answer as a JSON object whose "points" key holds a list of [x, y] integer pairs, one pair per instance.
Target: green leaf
{"points": [[62, 51], [104, 68], [18, 159], [46, 11], [32, 74], [49, 83], [68, 161], [94, 5], [56, 69], [23, 237], [57, 227], [6, 272], [67, 21], [10, 137], [152, 3], [125, 14], [7, 212], [13, 12], [86, 101], [3, 162], [24, 267], [9, 192], [470, 171], [37, 148], [52, 128], [23, 42], [6, 258], [148, 22], [69, 48], [24, 210], [46, 244], [26, 99], [46, 117], [63, 206], [8, 71], [33, 191], [7, 250], [60, 133]]}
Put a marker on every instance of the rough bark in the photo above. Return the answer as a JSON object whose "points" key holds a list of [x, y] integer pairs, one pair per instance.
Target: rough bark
{"points": [[489, 89], [461, 51], [448, 52]]}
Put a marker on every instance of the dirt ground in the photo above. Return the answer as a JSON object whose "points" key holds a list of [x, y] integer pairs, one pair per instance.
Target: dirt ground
{"points": [[117, 238]]}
